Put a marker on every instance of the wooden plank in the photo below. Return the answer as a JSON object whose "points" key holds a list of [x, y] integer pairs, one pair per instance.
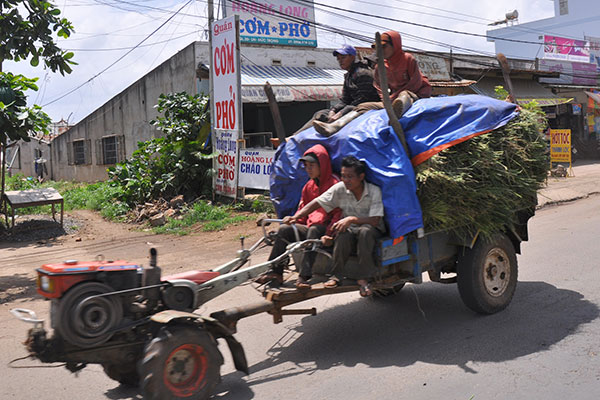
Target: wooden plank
{"points": [[275, 113]]}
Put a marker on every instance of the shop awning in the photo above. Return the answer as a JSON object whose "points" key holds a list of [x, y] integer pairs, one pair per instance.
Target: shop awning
{"points": [[526, 91], [545, 102], [291, 83]]}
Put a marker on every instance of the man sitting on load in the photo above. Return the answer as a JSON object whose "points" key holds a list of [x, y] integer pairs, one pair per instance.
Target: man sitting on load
{"points": [[361, 224], [313, 225], [358, 88], [406, 84]]}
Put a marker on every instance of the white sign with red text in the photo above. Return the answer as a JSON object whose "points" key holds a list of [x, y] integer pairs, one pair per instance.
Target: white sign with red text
{"points": [[226, 104], [255, 168]]}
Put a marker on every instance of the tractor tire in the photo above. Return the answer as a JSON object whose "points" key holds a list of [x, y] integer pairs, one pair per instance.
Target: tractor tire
{"points": [[90, 324], [182, 362], [126, 374], [487, 275], [389, 291]]}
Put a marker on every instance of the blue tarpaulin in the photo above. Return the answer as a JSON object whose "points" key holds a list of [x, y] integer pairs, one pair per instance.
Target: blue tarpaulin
{"points": [[430, 126]]}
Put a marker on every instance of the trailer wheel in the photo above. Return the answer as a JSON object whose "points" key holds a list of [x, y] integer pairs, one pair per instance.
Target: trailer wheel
{"points": [[487, 275], [182, 362], [126, 374]]}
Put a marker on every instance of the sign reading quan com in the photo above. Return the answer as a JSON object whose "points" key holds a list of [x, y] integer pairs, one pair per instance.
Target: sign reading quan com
{"points": [[560, 145], [226, 104], [281, 22]]}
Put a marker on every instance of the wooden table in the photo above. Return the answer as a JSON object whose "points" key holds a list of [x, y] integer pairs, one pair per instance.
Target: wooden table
{"points": [[31, 198]]}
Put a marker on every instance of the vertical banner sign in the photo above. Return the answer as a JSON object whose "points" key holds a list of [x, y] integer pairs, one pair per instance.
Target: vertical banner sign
{"points": [[226, 104], [560, 145]]}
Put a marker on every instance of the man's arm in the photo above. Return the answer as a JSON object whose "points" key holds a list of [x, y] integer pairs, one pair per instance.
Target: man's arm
{"points": [[343, 224], [304, 212]]}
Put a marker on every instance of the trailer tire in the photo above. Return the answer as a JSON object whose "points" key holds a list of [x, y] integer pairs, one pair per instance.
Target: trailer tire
{"points": [[182, 362], [126, 374], [487, 274]]}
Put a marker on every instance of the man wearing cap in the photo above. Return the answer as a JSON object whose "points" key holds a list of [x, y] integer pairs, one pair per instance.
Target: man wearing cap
{"points": [[317, 223], [358, 82], [358, 88]]}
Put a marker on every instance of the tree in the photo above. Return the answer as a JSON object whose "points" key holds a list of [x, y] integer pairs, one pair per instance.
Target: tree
{"points": [[178, 162], [28, 29]]}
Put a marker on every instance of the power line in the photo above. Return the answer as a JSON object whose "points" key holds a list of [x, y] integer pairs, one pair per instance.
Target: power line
{"points": [[120, 58], [138, 46]]}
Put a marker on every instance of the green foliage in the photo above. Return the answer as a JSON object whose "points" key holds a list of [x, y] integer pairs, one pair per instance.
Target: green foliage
{"points": [[480, 184], [29, 28], [500, 92], [174, 164], [213, 218], [16, 119]]}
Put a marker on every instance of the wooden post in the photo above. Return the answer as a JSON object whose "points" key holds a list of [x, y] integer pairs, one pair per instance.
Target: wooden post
{"points": [[506, 74], [275, 113], [385, 95]]}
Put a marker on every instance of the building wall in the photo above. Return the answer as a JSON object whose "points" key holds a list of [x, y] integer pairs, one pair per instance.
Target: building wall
{"points": [[128, 115], [580, 20]]}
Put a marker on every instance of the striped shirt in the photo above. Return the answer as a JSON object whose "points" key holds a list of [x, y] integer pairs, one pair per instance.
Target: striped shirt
{"points": [[369, 205]]}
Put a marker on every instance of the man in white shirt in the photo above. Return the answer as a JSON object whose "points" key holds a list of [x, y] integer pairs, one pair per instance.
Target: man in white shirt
{"points": [[361, 224]]}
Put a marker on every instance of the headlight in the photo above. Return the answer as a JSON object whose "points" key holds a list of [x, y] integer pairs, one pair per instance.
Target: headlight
{"points": [[46, 284]]}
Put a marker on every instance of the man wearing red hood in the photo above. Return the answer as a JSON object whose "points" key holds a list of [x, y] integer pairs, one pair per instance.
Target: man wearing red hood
{"points": [[405, 81], [318, 223], [402, 69]]}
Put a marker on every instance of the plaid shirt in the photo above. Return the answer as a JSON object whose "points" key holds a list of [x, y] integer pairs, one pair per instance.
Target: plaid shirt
{"points": [[369, 205]]}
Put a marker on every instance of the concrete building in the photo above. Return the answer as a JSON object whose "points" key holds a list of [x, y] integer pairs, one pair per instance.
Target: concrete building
{"points": [[569, 44]]}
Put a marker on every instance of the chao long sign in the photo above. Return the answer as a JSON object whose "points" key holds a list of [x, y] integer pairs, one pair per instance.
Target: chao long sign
{"points": [[226, 104]]}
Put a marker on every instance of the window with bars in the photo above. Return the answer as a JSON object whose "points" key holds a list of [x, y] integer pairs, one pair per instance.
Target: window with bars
{"points": [[79, 152], [110, 150]]}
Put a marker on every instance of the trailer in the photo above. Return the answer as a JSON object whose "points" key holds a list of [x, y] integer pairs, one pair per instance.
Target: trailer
{"points": [[142, 328]]}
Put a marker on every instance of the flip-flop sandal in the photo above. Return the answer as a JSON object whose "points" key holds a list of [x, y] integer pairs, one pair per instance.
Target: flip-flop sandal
{"points": [[332, 283], [365, 290], [302, 283]]}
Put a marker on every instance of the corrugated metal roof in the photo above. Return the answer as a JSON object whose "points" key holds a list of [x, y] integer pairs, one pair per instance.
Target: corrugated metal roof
{"points": [[291, 76]]}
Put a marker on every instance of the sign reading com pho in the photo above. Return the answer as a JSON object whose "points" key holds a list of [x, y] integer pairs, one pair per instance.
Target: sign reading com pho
{"points": [[279, 22], [226, 104]]}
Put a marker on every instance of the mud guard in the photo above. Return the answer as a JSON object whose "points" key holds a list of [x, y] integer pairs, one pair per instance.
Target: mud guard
{"points": [[217, 329]]}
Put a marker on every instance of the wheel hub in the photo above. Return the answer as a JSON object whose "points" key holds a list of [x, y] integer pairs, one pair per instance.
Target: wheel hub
{"points": [[185, 369], [496, 272]]}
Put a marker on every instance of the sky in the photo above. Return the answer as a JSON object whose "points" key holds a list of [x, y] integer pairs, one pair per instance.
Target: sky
{"points": [[116, 42]]}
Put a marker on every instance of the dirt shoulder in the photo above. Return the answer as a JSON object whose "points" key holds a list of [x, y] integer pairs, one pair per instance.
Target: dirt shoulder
{"points": [[20, 254]]}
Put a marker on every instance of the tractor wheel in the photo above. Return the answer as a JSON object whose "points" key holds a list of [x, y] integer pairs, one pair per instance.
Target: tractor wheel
{"points": [[88, 324], [182, 362], [487, 275], [389, 291], [126, 374]]}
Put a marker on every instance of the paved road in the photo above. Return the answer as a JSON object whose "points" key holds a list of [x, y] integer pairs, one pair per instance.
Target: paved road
{"points": [[420, 344]]}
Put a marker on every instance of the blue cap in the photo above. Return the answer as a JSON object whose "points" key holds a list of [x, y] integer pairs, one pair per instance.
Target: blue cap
{"points": [[345, 50]]}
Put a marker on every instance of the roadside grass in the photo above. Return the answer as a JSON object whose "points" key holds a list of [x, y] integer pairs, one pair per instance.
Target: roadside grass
{"points": [[208, 216], [103, 197], [100, 196]]}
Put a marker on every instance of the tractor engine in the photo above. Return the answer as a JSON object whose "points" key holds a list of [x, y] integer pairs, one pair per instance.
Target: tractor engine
{"points": [[84, 312]]}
